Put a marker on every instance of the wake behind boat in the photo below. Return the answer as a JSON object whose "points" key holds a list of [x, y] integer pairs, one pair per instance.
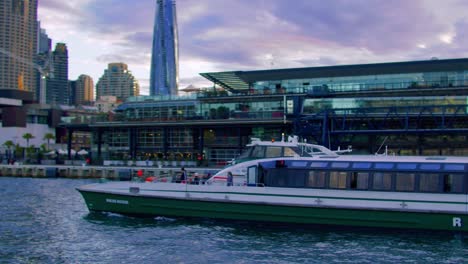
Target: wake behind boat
{"points": [[308, 187]]}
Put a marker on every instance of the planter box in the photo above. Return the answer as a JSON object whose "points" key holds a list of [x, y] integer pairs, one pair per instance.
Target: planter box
{"points": [[48, 162], [144, 163], [191, 163], [78, 162], [114, 163]]}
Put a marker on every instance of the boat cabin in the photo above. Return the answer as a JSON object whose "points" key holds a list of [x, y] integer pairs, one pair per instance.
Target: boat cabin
{"points": [[430, 177], [265, 149]]}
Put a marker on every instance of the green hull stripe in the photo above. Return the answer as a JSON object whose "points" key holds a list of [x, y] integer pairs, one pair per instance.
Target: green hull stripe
{"points": [[302, 196]]}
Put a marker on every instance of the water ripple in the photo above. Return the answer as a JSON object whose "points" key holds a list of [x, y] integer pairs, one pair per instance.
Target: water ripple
{"points": [[46, 221]]}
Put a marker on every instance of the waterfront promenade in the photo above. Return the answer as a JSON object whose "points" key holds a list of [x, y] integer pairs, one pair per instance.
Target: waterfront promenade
{"points": [[101, 172]]}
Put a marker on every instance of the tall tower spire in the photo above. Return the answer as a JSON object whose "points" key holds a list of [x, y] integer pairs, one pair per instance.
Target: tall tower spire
{"points": [[165, 53]]}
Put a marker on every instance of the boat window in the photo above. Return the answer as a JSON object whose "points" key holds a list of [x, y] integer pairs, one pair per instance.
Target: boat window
{"points": [[272, 152], [406, 166], [280, 180], [429, 182], [405, 182], [258, 152], [316, 179], [299, 164], [338, 179], [359, 180], [318, 164], [454, 167], [289, 152], [246, 153], [382, 181], [296, 179], [453, 183], [362, 165], [252, 175], [384, 165], [340, 165], [430, 166]]}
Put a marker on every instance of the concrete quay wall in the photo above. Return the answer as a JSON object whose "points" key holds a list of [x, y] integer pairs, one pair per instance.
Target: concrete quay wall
{"points": [[100, 172]]}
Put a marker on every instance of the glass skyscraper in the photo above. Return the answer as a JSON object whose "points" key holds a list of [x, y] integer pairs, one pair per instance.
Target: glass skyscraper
{"points": [[165, 53]]}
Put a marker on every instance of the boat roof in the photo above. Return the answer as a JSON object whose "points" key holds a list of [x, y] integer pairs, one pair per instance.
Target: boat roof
{"points": [[389, 158]]}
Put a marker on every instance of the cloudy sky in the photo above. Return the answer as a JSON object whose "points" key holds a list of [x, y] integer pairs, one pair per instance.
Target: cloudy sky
{"points": [[225, 35]]}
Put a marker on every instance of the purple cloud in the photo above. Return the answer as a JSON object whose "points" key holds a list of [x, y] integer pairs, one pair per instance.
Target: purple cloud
{"points": [[254, 34]]}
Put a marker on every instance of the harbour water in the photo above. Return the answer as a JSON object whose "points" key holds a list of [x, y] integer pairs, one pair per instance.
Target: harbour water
{"points": [[46, 221]]}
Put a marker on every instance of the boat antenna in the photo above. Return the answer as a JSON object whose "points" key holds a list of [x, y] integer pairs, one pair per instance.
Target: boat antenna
{"points": [[381, 145], [303, 147]]}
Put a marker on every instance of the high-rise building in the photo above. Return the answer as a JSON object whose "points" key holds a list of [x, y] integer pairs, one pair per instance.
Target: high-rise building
{"points": [[84, 90], [18, 44], [44, 43], [72, 89], [43, 59], [117, 80], [58, 90], [165, 53]]}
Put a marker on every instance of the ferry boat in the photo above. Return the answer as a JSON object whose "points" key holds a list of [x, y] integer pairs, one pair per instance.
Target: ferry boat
{"points": [[316, 187]]}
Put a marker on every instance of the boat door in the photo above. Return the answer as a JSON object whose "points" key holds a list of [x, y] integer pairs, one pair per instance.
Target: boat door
{"points": [[252, 175]]}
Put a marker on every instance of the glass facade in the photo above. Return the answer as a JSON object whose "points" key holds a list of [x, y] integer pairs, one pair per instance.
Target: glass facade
{"points": [[173, 110], [244, 109], [117, 143], [159, 111], [165, 53], [408, 104], [365, 83], [409, 108]]}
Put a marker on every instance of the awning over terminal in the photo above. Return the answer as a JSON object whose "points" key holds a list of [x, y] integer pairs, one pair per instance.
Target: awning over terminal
{"points": [[228, 80]]}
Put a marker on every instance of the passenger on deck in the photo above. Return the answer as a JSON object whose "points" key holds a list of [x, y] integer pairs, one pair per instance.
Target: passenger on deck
{"points": [[196, 179], [229, 179], [183, 176]]}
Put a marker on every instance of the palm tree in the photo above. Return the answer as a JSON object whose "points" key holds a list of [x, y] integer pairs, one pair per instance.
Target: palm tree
{"points": [[9, 144], [27, 136], [48, 137]]}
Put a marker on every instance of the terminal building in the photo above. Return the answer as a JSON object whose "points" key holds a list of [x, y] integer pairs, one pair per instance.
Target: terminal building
{"points": [[403, 108]]}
